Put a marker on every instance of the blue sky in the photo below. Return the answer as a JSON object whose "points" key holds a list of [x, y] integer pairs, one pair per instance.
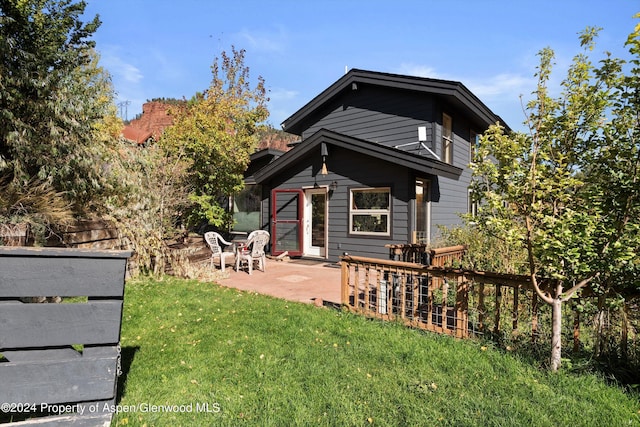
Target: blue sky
{"points": [[165, 48]]}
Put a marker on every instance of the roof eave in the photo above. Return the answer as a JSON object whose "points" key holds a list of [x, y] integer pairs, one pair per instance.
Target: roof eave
{"points": [[392, 155], [446, 88]]}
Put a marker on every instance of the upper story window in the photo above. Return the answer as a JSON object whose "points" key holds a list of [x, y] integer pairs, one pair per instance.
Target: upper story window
{"points": [[370, 211], [447, 139], [474, 141], [472, 204]]}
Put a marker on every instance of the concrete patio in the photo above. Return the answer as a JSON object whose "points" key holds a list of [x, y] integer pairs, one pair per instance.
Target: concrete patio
{"points": [[294, 280]]}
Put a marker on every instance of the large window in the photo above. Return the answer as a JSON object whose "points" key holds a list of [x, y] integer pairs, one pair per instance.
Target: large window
{"points": [[246, 209], [447, 139], [370, 211]]}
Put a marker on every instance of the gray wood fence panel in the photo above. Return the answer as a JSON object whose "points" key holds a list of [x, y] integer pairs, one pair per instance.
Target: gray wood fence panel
{"points": [[41, 355], [76, 380], [43, 276], [92, 420], [61, 252], [31, 325], [40, 365]]}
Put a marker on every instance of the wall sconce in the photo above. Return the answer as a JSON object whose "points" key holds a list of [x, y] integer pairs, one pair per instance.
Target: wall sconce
{"points": [[333, 186], [324, 152]]}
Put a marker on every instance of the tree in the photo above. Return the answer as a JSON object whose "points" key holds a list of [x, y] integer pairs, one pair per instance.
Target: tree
{"points": [[155, 194], [217, 131], [568, 190], [52, 96]]}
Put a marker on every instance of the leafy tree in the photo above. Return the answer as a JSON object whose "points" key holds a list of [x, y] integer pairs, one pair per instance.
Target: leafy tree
{"points": [[155, 193], [484, 252], [52, 97], [217, 131], [568, 190]]}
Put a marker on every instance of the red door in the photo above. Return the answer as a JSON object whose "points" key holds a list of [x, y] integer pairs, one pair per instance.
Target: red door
{"points": [[286, 231]]}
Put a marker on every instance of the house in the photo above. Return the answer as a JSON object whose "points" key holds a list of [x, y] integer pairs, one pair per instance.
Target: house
{"points": [[383, 158]]}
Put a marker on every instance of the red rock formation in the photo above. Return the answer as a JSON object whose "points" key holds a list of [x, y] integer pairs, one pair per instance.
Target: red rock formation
{"points": [[151, 124], [155, 118]]}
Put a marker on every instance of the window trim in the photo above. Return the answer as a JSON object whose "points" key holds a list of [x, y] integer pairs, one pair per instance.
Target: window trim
{"points": [[474, 141], [447, 139], [426, 185], [388, 212], [247, 191], [472, 205]]}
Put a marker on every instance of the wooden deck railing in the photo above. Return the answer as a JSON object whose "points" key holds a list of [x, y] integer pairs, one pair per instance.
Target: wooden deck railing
{"points": [[450, 256], [444, 300], [503, 307], [60, 361], [419, 253]]}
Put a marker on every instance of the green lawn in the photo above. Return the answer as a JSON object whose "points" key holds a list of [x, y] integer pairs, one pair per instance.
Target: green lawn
{"points": [[219, 356]]}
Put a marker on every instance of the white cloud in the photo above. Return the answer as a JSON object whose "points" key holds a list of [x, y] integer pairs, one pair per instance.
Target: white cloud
{"points": [[265, 41], [500, 85], [121, 69], [502, 92], [282, 103], [492, 87], [165, 68], [280, 94], [418, 70]]}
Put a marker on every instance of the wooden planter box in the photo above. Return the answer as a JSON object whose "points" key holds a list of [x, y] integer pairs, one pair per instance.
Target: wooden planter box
{"points": [[65, 353]]}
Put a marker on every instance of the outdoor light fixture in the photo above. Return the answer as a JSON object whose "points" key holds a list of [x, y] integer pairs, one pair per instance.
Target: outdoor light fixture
{"points": [[324, 152], [333, 186]]}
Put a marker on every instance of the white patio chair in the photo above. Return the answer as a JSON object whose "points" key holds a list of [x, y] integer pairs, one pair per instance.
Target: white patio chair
{"points": [[253, 251], [214, 240]]}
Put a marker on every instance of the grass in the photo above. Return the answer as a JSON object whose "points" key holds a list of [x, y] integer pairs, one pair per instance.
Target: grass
{"points": [[257, 360]]}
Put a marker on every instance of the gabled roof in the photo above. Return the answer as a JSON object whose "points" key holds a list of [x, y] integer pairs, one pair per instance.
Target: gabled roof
{"points": [[260, 159], [455, 93], [357, 145]]}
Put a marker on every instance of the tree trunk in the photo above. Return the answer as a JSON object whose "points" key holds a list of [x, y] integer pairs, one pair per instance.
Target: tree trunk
{"points": [[599, 348], [624, 338], [556, 334]]}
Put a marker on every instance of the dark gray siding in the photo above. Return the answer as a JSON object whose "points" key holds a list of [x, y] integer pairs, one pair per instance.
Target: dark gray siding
{"points": [[391, 117], [379, 115], [350, 170], [454, 194]]}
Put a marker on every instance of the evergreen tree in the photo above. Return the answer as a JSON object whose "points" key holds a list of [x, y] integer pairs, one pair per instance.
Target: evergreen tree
{"points": [[52, 97]]}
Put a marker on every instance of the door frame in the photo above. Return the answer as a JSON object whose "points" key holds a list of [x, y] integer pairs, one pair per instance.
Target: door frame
{"points": [[307, 217], [275, 221]]}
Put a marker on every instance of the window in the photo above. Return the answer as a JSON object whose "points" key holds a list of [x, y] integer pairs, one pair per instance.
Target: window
{"points": [[246, 209], [422, 216], [472, 204], [474, 141], [447, 139], [370, 211]]}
